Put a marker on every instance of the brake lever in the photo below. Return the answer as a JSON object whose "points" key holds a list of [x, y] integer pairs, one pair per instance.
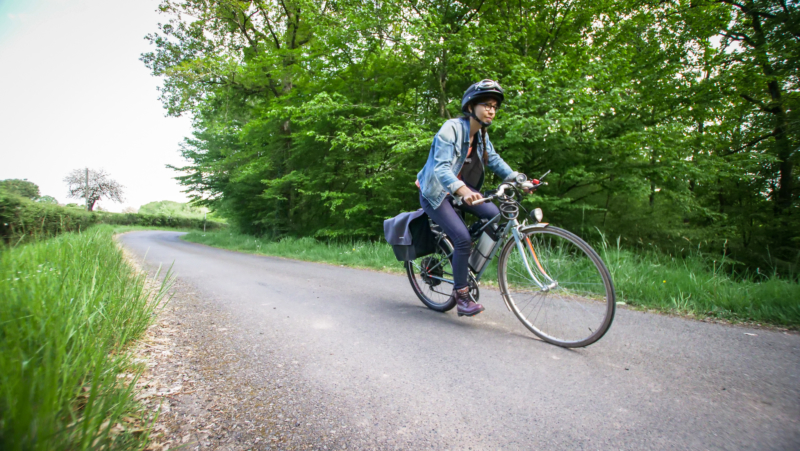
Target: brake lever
{"points": [[536, 183]]}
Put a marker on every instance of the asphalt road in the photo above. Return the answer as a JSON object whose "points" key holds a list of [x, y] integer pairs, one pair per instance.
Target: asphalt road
{"points": [[403, 376]]}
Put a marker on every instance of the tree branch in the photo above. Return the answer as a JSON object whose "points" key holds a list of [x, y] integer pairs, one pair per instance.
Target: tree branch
{"points": [[272, 86], [243, 28], [414, 5], [736, 36], [285, 9], [756, 102], [587, 195], [471, 16], [269, 26], [747, 10], [751, 143], [296, 27], [581, 185]]}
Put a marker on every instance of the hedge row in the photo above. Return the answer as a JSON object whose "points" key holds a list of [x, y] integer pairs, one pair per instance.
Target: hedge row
{"points": [[22, 220]]}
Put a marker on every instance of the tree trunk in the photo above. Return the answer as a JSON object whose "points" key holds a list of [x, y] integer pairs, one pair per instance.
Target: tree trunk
{"points": [[442, 79], [783, 200], [786, 167], [652, 182]]}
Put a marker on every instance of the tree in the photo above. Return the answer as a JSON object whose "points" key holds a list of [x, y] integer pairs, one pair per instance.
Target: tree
{"points": [[47, 200], [22, 188], [669, 123], [763, 67], [97, 186], [173, 209]]}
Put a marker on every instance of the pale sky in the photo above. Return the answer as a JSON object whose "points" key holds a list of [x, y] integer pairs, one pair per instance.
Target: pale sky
{"points": [[73, 94]]}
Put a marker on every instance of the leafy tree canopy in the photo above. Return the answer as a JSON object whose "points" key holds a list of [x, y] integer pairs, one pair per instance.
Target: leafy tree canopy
{"points": [[671, 124], [174, 209], [22, 188], [47, 200]]}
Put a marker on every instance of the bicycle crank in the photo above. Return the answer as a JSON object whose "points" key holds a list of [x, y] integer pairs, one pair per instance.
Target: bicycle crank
{"points": [[474, 291]]}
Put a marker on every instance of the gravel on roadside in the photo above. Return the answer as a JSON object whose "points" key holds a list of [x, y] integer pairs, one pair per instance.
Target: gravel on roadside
{"points": [[208, 394]]}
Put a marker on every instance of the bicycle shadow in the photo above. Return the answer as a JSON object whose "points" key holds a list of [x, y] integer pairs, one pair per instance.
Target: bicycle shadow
{"points": [[492, 324]]}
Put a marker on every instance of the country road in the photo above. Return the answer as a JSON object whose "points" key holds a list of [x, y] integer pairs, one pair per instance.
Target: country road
{"points": [[357, 350]]}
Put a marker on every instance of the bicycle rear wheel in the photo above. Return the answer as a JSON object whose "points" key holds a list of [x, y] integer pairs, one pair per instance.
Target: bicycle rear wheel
{"points": [[431, 277], [577, 305]]}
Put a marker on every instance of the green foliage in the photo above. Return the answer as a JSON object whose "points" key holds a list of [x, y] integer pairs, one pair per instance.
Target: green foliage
{"points": [[24, 188], [698, 285], [71, 305], [47, 200], [671, 124], [22, 220], [170, 208]]}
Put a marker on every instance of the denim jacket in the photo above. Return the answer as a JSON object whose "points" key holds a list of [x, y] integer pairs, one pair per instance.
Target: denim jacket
{"points": [[448, 154]]}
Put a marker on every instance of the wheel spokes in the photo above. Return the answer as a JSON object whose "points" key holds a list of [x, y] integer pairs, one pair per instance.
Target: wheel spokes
{"points": [[433, 278], [576, 305]]}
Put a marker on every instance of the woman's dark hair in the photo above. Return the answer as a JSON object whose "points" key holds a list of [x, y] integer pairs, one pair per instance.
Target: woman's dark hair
{"points": [[483, 129], [483, 144]]}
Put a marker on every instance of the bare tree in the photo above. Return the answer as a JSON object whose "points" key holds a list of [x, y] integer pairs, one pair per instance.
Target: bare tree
{"points": [[93, 185]]}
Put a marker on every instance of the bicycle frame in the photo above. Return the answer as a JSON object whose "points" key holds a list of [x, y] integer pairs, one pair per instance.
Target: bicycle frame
{"points": [[524, 281], [512, 228]]}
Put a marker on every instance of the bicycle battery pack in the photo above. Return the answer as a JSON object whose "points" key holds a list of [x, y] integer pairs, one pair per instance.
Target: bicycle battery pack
{"points": [[483, 247]]}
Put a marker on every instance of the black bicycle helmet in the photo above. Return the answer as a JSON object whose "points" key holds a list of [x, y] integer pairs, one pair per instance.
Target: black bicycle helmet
{"points": [[481, 90]]}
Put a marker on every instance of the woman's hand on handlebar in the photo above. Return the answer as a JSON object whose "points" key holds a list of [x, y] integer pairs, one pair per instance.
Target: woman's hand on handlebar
{"points": [[530, 186], [467, 195]]}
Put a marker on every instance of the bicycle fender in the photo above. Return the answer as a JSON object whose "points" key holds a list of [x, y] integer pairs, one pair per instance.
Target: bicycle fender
{"points": [[538, 225]]}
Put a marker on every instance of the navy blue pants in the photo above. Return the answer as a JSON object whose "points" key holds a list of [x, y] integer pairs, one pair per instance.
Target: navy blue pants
{"points": [[447, 218]]}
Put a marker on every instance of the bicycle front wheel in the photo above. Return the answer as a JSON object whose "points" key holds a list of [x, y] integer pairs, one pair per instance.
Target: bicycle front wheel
{"points": [[558, 286]]}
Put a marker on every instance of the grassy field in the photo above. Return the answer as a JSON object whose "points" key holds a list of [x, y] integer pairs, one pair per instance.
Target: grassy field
{"points": [[694, 286], [71, 306]]}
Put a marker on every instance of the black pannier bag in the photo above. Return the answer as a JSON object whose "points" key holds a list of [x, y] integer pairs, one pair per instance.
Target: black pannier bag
{"points": [[410, 235]]}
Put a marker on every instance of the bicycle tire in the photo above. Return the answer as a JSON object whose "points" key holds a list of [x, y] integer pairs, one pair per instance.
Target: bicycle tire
{"points": [[582, 296], [434, 298]]}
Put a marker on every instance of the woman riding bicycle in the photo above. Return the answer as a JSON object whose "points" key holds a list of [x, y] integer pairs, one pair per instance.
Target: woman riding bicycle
{"points": [[455, 167]]}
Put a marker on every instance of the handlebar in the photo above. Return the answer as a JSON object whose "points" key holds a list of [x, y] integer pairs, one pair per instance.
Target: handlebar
{"points": [[501, 190], [527, 185], [530, 185]]}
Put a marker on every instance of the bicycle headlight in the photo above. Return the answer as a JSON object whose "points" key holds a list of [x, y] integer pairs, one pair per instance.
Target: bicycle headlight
{"points": [[537, 214]]}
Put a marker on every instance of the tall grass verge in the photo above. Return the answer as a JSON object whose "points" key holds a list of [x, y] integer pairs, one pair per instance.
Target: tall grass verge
{"points": [[70, 306], [700, 285], [693, 285]]}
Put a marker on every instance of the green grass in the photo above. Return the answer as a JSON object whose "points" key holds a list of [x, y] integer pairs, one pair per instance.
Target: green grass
{"points": [[695, 286], [701, 286], [358, 255], [70, 307]]}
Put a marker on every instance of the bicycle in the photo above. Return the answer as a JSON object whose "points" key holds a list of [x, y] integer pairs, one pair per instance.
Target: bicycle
{"points": [[551, 279]]}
